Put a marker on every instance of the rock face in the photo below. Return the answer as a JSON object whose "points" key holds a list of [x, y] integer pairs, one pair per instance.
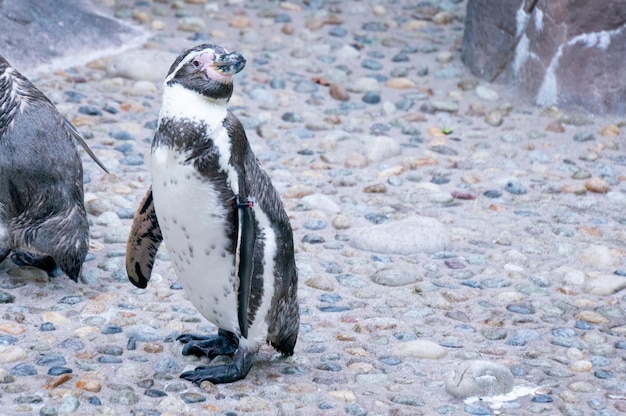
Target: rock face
{"points": [[568, 53], [36, 32]]}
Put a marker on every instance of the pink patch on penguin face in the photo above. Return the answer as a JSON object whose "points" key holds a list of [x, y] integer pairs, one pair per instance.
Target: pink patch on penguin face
{"points": [[206, 62]]}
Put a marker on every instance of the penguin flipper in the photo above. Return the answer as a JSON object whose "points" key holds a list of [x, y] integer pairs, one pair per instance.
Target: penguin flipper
{"points": [[247, 235], [79, 138], [143, 242]]}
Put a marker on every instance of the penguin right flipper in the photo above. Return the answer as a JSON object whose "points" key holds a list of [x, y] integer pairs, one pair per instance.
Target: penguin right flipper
{"points": [[80, 139], [143, 243], [245, 253]]}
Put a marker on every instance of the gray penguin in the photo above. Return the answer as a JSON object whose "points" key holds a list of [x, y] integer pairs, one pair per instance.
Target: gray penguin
{"points": [[43, 222], [224, 225]]}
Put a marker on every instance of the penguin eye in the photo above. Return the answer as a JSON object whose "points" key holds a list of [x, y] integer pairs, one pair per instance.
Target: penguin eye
{"points": [[196, 62]]}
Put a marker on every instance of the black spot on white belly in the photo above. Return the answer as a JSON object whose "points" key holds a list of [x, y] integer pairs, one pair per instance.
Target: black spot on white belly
{"points": [[190, 249]]}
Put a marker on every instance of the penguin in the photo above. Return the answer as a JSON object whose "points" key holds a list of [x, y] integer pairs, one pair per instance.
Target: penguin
{"points": [[43, 222], [223, 223]]}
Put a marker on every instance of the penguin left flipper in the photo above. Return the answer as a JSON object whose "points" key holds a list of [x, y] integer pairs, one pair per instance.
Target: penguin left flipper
{"points": [[143, 243], [226, 373]]}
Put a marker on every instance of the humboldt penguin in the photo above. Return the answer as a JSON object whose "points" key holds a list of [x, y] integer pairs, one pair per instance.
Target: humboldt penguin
{"points": [[222, 221], [43, 222]]}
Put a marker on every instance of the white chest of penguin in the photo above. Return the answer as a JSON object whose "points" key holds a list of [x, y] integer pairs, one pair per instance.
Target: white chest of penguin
{"points": [[193, 221], [192, 216]]}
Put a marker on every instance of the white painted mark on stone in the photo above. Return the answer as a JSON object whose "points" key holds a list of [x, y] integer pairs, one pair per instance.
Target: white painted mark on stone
{"points": [[548, 92]]}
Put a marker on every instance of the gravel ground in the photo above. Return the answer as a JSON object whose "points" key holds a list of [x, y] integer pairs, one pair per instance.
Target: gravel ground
{"points": [[452, 242]]}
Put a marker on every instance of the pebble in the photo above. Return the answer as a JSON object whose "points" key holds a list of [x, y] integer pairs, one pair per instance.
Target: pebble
{"points": [[397, 237], [419, 349], [479, 378]]}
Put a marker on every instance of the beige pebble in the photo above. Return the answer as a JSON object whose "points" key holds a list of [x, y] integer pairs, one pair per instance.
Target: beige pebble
{"points": [[494, 118], [358, 352], [597, 185], [292, 7], [191, 24], [576, 189], [89, 384], [141, 16], [287, 29], [376, 188], [591, 317], [341, 222], [252, 404], [86, 330], [379, 10], [414, 25], [319, 283], [346, 396], [389, 172], [157, 25], [57, 381], [314, 24], [240, 22], [419, 349], [581, 366], [611, 130], [361, 367], [568, 397], [574, 354], [444, 57], [581, 387], [355, 161], [400, 83], [298, 191], [443, 18], [95, 308], [218, 34], [338, 92], [152, 347], [56, 318], [11, 353], [555, 127], [172, 405], [11, 328]]}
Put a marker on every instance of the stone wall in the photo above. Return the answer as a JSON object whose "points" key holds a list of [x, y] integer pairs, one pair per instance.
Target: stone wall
{"points": [[569, 53], [36, 32]]}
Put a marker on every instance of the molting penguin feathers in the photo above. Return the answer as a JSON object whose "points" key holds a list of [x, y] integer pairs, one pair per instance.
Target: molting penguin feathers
{"points": [[43, 222], [224, 225]]}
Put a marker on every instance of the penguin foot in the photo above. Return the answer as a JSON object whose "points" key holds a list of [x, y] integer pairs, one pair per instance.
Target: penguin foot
{"points": [[45, 263], [226, 373], [224, 343]]}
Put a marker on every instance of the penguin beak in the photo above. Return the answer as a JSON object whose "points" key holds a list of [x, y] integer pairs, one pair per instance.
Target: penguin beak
{"points": [[230, 63]]}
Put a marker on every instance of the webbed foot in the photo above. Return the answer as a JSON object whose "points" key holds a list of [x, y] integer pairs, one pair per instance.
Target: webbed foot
{"points": [[223, 343], [45, 263], [226, 373]]}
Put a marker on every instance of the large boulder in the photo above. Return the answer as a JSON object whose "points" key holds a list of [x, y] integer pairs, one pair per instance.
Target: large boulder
{"points": [[36, 32], [569, 53]]}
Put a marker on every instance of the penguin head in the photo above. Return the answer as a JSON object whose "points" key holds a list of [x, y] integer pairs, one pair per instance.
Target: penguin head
{"points": [[206, 69]]}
